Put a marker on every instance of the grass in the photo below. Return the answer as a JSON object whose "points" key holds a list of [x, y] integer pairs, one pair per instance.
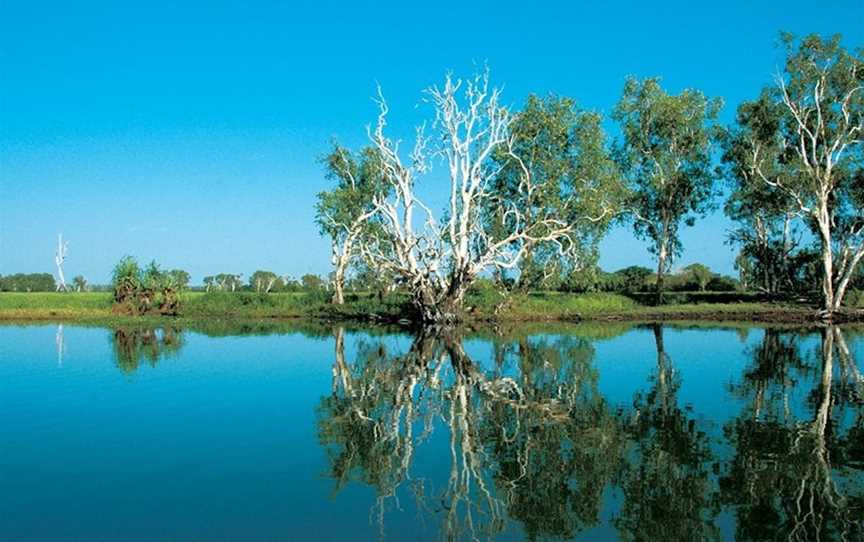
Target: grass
{"points": [[480, 306]]}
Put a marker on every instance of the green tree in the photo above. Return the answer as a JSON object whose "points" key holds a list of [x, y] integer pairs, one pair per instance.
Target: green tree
{"points": [[79, 283], [347, 212], [224, 282], [634, 278], [700, 274], [179, 277], [311, 283], [564, 151], [665, 156], [265, 281], [766, 236], [807, 150]]}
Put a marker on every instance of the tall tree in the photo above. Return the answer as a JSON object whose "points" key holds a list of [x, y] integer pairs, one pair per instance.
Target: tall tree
{"points": [[812, 154], [345, 213], [766, 236], [564, 149], [665, 157], [438, 261]]}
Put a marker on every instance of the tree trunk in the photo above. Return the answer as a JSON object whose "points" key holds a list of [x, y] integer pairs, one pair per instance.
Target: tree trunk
{"points": [[661, 268], [663, 376], [443, 309], [828, 300], [338, 286]]}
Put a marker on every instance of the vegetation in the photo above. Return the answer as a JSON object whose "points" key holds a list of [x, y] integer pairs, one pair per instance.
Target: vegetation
{"points": [[531, 192], [144, 291], [28, 282], [666, 158]]}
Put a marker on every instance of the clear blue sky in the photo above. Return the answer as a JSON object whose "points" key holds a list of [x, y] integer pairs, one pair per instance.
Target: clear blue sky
{"points": [[190, 133]]}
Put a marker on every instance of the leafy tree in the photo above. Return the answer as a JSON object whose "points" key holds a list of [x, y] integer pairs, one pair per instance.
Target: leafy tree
{"points": [[223, 282], [564, 151], [633, 278], [807, 149], [311, 282], [179, 277], [665, 156], [438, 260], [700, 274], [347, 212], [79, 283], [265, 281]]}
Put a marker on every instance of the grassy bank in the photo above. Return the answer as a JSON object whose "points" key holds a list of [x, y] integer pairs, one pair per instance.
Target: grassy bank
{"points": [[486, 306]]}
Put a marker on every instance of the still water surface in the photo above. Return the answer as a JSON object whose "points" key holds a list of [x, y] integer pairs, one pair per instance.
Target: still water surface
{"points": [[584, 432]]}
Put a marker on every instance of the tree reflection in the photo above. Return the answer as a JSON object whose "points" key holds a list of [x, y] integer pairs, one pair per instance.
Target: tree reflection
{"points": [[667, 486], [540, 446], [529, 440], [134, 345], [794, 476]]}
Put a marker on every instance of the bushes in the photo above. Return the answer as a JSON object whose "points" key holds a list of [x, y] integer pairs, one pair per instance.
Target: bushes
{"points": [[147, 291]]}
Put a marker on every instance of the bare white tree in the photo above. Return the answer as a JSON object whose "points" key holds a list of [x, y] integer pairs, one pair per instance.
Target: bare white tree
{"points": [[59, 259], [439, 260]]}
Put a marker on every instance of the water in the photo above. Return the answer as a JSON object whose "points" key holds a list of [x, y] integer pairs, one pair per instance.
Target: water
{"points": [[308, 432]]}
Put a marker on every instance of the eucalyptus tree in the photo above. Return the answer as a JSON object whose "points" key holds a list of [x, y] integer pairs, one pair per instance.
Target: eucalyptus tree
{"points": [[808, 151], [345, 213], [665, 157], [265, 281], [438, 261], [767, 233], [700, 273], [79, 283], [564, 150]]}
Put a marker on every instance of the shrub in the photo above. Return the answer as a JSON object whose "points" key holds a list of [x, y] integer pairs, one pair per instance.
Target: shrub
{"points": [[138, 291]]}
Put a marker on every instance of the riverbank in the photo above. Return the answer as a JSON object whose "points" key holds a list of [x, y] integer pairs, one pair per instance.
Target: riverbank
{"points": [[533, 307]]}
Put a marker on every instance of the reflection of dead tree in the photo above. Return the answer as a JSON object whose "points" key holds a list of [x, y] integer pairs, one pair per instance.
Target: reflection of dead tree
{"points": [[369, 422], [61, 344]]}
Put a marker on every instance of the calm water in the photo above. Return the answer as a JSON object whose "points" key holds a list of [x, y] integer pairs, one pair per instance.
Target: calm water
{"points": [[593, 432]]}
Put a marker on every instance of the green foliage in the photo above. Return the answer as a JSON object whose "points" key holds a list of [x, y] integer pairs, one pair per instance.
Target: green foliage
{"points": [[79, 283], [144, 291], [700, 274], [28, 282], [266, 282], [564, 150], [223, 282], [794, 158], [665, 156], [180, 278]]}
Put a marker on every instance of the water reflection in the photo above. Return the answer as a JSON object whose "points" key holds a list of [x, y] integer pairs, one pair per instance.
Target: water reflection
{"points": [[531, 440], [136, 345], [795, 477]]}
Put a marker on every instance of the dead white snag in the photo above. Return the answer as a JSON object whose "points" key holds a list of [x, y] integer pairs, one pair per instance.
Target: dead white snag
{"points": [[440, 261], [59, 259]]}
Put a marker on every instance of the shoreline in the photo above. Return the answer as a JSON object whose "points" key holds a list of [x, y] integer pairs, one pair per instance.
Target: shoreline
{"points": [[673, 313]]}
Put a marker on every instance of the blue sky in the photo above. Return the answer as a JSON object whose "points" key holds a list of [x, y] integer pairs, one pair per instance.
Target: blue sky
{"points": [[190, 133]]}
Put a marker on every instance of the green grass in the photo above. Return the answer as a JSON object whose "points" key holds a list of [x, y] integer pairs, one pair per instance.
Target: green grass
{"points": [[480, 306]]}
